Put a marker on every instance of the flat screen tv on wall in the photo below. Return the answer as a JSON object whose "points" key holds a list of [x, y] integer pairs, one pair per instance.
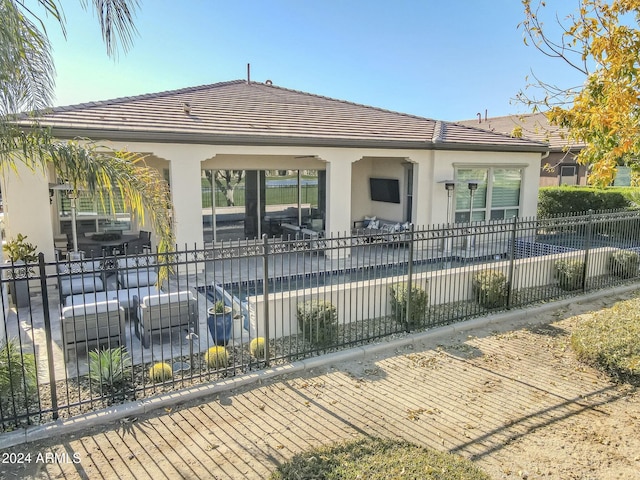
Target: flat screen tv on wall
{"points": [[385, 190]]}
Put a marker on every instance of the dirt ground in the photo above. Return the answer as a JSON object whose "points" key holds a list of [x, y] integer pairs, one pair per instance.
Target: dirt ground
{"points": [[512, 398]]}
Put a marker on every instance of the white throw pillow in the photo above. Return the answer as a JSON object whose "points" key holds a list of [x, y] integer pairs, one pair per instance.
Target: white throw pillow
{"points": [[367, 221]]}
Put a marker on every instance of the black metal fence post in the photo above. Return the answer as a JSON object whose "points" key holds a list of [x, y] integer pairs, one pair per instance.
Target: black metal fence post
{"points": [[409, 277], [265, 295], [512, 260], [587, 247], [47, 330]]}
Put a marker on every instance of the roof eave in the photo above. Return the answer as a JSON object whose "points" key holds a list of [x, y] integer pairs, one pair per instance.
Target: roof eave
{"points": [[278, 140], [484, 147]]}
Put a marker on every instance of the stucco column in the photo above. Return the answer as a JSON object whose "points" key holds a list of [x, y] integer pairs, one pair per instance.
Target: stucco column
{"points": [[187, 201], [429, 203], [338, 219], [26, 207]]}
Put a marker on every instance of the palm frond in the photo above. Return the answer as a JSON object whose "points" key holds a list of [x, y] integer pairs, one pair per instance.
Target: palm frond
{"points": [[26, 67], [110, 175], [116, 23]]}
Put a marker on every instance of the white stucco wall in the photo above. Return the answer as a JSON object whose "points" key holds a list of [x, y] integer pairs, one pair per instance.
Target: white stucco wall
{"points": [[445, 163], [27, 209], [348, 172], [361, 203]]}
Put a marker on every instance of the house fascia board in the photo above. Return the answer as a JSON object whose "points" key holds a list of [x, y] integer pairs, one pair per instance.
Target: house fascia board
{"points": [[254, 140], [482, 147]]}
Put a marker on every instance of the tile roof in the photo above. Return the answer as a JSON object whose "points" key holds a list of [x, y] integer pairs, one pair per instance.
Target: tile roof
{"points": [[535, 126], [237, 112]]}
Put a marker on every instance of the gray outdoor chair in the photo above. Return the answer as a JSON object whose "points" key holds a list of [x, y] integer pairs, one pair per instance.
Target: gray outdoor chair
{"points": [[79, 277], [100, 323], [158, 314], [139, 271]]}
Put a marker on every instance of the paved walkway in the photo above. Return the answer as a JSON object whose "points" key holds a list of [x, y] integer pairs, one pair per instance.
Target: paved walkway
{"points": [[453, 388]]}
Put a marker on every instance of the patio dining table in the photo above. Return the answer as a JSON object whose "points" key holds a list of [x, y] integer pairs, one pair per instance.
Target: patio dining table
{"points": [[98, 244]]}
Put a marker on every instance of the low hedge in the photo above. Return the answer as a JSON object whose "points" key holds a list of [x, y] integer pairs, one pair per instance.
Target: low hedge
{"points": [[571, 199]]}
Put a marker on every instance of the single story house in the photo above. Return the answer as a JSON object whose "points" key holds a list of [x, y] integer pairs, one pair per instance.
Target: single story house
{"points": [[560, 166], [361, 161]]}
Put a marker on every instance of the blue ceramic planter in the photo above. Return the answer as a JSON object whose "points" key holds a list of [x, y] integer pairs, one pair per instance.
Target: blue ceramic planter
{"points": [[220, 325]]}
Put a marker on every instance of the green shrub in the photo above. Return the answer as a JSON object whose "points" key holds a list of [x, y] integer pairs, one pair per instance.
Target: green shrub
{"points": [[624, 263], [19, 249], [570, 274], [570, 199], [160, 372], [217, 357], [377, 459], [419, 300], [18, 377], [109, 367], [318, 321], [608, 339], [256, 347], [490, 288]]}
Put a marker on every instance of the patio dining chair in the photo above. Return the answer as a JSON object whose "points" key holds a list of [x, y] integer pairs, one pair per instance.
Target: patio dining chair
{"points": [[142, 244]]}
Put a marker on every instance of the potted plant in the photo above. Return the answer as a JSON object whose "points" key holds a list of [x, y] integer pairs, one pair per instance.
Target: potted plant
{"points": [[20, 252], [219, 323]]}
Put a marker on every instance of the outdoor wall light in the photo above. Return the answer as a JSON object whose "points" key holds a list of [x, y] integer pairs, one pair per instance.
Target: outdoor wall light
{"points": [[449, 186]]}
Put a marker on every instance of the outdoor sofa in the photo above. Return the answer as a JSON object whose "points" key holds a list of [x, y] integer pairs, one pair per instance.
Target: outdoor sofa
{"points": [[375, 229]]}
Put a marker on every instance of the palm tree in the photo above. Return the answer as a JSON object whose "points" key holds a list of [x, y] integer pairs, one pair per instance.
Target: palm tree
{"points": [[26, 84]]}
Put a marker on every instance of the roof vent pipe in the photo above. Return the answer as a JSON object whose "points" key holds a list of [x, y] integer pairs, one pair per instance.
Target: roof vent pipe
{"points": [[486, 113], [248, 74], [187, 107], [479, 117]]}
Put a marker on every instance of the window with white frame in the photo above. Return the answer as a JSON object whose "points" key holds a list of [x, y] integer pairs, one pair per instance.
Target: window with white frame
{"points": [[93, 213], [568, 174], [496, 197]]}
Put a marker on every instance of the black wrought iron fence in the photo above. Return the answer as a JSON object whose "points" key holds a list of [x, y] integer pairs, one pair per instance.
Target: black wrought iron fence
{"points": [[81, 335]]}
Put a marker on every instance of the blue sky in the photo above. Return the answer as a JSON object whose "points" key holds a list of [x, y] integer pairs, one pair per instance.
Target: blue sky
{"points": [[439, 59]]}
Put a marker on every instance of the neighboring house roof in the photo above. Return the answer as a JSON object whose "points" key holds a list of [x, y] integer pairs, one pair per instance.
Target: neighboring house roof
{"points": [[535, 126], [238, 112]]}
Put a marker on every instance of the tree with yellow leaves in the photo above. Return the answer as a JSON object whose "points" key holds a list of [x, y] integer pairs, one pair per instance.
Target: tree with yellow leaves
{"points": [[601, 39]]}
